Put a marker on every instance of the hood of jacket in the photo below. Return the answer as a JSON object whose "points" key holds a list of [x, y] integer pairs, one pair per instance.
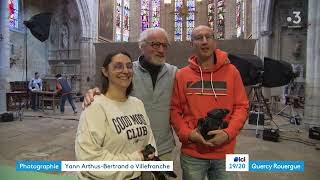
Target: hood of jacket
{"points": [[220, 59]]}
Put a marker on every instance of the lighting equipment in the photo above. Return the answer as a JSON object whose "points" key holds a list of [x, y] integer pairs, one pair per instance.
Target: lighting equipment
{"points": [[277, 73], [271, 73], [257, 74], [39, 25], [314, 133]]}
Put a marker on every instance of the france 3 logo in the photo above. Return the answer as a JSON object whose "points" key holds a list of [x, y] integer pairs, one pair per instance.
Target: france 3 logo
{"points": [[237, 162]]}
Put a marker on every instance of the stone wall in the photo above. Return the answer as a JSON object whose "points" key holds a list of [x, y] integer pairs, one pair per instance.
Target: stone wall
{"points": [[312, 106], [4, 52]]}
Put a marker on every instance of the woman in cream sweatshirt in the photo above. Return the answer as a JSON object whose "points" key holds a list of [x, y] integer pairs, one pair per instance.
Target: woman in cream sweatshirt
{"points": [[115, 126]]}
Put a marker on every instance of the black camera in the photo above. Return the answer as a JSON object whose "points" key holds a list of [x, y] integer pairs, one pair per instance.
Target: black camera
{"points": [[213, 121], [160, 175], [149, 149]]}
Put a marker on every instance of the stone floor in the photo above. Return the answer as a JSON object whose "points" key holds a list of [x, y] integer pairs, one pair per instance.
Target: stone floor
{"points": [[50, 136]]}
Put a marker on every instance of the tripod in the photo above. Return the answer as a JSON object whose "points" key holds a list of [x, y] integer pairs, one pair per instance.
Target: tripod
{"points": [[259, 104], [293, 116], [291, 99]]}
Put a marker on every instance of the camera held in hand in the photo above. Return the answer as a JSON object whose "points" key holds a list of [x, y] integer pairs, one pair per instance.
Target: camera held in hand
{"points": [[213, 121], [159, 175]]}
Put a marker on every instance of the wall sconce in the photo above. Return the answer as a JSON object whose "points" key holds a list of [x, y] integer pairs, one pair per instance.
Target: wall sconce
{"points": [[167, 1], [199, 1]]}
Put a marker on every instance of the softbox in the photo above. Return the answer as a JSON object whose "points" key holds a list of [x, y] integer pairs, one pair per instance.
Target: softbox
{"points": [[277, 73], [249, 66], [39, 25]]}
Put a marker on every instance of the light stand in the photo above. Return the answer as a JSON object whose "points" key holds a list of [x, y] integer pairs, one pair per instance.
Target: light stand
{"points": [[259, 104], [293, 116]]}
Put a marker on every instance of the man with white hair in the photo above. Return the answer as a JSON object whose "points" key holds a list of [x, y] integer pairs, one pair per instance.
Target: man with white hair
{"points": [[153, 83]]}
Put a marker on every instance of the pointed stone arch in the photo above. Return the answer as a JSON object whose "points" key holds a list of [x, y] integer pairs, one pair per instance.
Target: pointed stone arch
{"points": [[88, 37], [85, 17]]}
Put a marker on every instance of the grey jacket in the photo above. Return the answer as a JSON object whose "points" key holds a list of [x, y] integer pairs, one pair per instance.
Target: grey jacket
{"points": [[156, 102]]}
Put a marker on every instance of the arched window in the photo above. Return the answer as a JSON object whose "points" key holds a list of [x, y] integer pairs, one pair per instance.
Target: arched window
{"points": [[190, 18], [220, 19], [122, 15], [216, 10], [184, 19], [177, 21], [240, 17], [211, 14], [150, 7], [13, 8]]}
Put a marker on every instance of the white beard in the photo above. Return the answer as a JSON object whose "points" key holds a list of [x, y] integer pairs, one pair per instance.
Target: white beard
{"points": [[157, 60]]}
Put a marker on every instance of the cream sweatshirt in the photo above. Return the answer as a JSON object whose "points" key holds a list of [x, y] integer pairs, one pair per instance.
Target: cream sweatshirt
{"points": [[110, 130]]}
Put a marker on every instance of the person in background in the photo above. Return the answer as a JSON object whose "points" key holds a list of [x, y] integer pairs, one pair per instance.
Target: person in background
{"points": [[64, 89], [35, 85], [115, 127]]}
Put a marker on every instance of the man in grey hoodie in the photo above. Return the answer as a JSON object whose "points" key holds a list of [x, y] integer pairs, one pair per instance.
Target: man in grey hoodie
{"points": [[153, 83]]}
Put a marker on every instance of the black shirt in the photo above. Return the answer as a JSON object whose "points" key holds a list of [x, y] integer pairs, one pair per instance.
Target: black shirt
{"points": [[151, 68]]}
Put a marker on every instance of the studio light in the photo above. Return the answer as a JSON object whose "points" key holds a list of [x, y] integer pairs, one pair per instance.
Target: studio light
{"points": [[271, 73]]}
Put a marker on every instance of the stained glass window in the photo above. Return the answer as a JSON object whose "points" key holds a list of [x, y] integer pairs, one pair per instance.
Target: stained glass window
{"points": [[190, 18], [118, 20], [240, 17], [122, 16], [178, 21], [145, 8], [126, 20], [150, 7], [220, 19], [184, 19], [155, 21], [211, 14], [13, 8]]}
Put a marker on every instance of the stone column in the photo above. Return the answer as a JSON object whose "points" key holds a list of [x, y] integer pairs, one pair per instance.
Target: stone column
{"points": [[134, 21], [262, 29], [169, 20], [201, 15], [4, 53], [248, 19], [312, 94], [87, 64], [89, 35], [262, 26], [230, 19]]}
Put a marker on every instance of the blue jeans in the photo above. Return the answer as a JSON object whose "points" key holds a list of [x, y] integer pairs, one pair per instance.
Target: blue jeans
{"points": [[198, 169], [63, 102]]}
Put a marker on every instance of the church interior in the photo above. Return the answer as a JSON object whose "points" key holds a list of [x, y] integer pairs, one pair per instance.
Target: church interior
{"points": [[72, 37]]}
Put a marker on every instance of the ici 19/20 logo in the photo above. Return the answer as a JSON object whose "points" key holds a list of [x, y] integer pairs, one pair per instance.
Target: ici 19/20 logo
{"points": [[239, 159]]}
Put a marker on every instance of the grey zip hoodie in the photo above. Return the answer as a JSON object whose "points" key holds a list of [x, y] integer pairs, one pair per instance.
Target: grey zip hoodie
{"points": [[156, 102]]}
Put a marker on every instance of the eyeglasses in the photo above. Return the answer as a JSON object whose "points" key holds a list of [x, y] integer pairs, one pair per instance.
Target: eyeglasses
{"points": [[119, 67], [200, 37], [156, 45]]}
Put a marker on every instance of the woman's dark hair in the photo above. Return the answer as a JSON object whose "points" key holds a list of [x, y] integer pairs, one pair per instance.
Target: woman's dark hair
{"points": [[105, 80]]}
